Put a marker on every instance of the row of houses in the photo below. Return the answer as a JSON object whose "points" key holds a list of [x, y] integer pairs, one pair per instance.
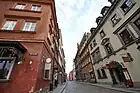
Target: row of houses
{"points": [[31, 48], [110, 52]]}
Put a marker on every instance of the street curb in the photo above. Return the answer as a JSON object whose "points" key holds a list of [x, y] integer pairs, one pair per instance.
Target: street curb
{"points": [[127, 91], [63, 88]]}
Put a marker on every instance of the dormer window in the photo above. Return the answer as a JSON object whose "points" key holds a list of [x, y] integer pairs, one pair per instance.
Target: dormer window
{"points": [[98, 19], [104, 10], [111, 1], [92, 30]]}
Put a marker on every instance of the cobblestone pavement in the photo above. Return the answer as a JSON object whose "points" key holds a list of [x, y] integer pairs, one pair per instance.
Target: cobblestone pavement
{"points": [[76, 87]]}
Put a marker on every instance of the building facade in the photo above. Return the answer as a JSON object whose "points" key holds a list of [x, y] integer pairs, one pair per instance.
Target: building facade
{"points": [[114, 44], [29, 35], [61, 60], [83, 64]]}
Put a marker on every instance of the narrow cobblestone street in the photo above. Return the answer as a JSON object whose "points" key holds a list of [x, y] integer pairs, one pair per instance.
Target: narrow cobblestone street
{"points": [[77, 87]]}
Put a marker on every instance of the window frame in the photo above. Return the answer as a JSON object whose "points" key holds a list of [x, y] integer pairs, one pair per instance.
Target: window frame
{"points": [[119, 18], [30, 26], [19, 4], [95, 54], [132, 35], [94, 43], [35, 8], [98, 73], [45, 74], [112, 50], [4, 24], [91, 47], [102, 31], [134, 26], [11, 68], [103, 73], [125, 12]]}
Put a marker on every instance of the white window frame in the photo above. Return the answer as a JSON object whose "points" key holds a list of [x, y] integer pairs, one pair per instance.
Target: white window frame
{"points": [[10, 70], [20, 6], [9, 25], [29, 26], [36, 8]]}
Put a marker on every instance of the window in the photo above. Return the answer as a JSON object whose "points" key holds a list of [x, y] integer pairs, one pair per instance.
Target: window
{"points": [[115, 19], [29, 26], [108, 48], [137, 23], [8, 56], [5, 68], [36, 8], [94, 43], [102, 34], [96, 56], [126, 37], [20, 6], [91, 47], [46, 74], [9, 25], [99, 74], [103, 73], [127, 5]]}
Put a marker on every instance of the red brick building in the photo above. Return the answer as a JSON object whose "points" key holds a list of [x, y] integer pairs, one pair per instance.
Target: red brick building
{"points": [[28, 42]]}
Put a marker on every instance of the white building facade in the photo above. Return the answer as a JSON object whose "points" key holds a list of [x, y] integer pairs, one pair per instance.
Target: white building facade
{"points": [[114, 44]]}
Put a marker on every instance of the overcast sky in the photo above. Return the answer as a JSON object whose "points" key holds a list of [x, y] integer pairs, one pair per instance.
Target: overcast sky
{"points": [[76, 17]]}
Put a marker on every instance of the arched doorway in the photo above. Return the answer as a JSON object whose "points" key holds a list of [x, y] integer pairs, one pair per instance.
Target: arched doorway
{"points": [[119, 74]]}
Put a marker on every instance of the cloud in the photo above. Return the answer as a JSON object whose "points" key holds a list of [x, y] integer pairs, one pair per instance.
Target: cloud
{"points": [[76, 17]]}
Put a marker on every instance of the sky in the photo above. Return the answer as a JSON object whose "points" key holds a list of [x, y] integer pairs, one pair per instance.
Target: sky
{"points": [[74, 18]]}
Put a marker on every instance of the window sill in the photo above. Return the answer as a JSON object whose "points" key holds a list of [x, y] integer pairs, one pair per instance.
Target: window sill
{"points": [[25, 10], [4, 80], [16, 31]]}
